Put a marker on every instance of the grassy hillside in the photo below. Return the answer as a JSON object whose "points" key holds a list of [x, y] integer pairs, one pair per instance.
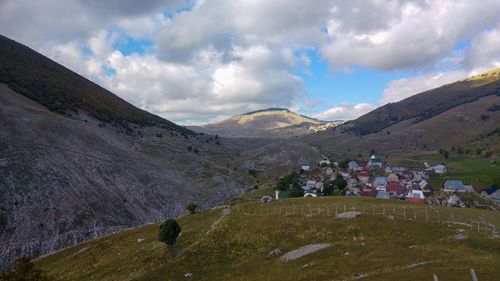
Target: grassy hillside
{"points": [[63, 91], [235, 246], [425, 105]]}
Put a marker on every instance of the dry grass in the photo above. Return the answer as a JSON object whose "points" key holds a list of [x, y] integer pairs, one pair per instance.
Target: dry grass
{"points": [[237, 247]]}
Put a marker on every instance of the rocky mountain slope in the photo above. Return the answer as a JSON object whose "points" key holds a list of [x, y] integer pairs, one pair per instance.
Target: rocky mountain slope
{"points": [[451, 115], [95, 164], [269, 123]]}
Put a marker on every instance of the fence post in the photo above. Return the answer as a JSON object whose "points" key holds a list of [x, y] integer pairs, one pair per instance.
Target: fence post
{"points": [[414, 214], [426, 215], [435, 278], [404, 213], [344, 208], [373, 210], [383, 212], [473, 275]]}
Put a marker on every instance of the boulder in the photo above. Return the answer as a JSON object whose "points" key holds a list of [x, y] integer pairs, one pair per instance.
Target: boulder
{"points": [[348, 215], [266, 199]]}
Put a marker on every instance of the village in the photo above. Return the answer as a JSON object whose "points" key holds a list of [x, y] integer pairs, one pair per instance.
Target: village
{"points": [[373, 178]]}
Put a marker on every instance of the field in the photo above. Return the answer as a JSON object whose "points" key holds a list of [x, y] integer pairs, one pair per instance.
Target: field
{"points": [[235, 244], [476, 171]]}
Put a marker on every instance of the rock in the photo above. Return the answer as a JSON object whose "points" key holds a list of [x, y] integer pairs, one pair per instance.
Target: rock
{"points": [[300, 252], [348, 215], [459, 236], [391, 217], [305, 265], [140, 240], [187, 275], [412, 247], [275, 252], [266, 199]]}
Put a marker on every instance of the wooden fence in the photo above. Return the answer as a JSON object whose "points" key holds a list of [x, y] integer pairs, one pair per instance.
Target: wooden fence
{"points": [[426, 214]]}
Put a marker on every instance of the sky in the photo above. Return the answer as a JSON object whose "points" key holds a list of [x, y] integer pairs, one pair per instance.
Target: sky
{"points": [[200, 61]]}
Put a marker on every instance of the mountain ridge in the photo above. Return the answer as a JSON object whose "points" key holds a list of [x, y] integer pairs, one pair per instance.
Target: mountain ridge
{"points": [[270, 123]]}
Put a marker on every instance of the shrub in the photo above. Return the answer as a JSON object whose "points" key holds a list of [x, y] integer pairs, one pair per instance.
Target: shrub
{"points": [[191, 207], [169, 231], [296, 191], [189, 148]]}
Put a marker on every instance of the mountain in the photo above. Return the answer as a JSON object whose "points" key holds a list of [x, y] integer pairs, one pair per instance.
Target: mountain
{"points": [[445, 117], [63, 91], [77, 162], [271, 122]]}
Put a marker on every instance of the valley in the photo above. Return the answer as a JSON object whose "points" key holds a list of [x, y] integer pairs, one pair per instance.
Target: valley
{"points": [[87, 178]]}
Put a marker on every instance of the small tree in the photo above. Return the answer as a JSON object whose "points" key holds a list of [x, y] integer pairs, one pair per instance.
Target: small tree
{"points": [[169, 231], [296, 191], [191, 207]]}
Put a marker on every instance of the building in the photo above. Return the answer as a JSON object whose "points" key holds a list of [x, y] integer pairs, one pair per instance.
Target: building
{"points": [[305, 167], [380, 183], [392, 178], [375, 162], [438, 169], [495, 196], [363, 176], [415, 196], [382, 194], [353, 166], [324, 162], [454, 186]]}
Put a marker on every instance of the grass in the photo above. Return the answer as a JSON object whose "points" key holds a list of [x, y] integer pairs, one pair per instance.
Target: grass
{"points": [[476, 171], [236, 247]]}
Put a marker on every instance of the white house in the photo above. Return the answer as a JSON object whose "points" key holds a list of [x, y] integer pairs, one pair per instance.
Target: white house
{"points": [[438, 169], [305, 167]]}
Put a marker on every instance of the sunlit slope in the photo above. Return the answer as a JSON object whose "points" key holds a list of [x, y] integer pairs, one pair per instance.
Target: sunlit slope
{"points": [[385, 243]]}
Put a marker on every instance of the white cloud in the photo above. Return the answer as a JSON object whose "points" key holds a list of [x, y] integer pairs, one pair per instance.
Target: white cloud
{"points": [[409, 35], [220, 58], [400, 89], [345, 111]]}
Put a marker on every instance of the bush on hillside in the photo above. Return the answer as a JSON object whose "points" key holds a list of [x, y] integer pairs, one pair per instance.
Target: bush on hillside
{"points": [[191, 207], [296, 191], [169, 232]]}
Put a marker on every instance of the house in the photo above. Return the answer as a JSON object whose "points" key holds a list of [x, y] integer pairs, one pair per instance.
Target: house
{"points": [[353, 191], [454, 186], [308, 194], [407, 175], [392, 178], [375, 162], [380, 183], [495, 196], [488, 191], [392, 187], [353, 166], [469, 189], [324, 162], [382, 194], [369, 193], [363, 176], [329, 171], [345, 174], [396, 170], [305, 167], [310, 184], [415, 196], [425, 186], [319, 186], [438, 169]]}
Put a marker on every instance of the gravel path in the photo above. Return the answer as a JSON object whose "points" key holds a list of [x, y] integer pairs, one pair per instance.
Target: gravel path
{"points": [[300, 252]]}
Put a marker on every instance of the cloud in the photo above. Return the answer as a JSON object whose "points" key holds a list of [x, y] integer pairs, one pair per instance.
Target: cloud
{"points": [[345, 111], [209, 59], [484, 52], [410, 35], [400, 89]]}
